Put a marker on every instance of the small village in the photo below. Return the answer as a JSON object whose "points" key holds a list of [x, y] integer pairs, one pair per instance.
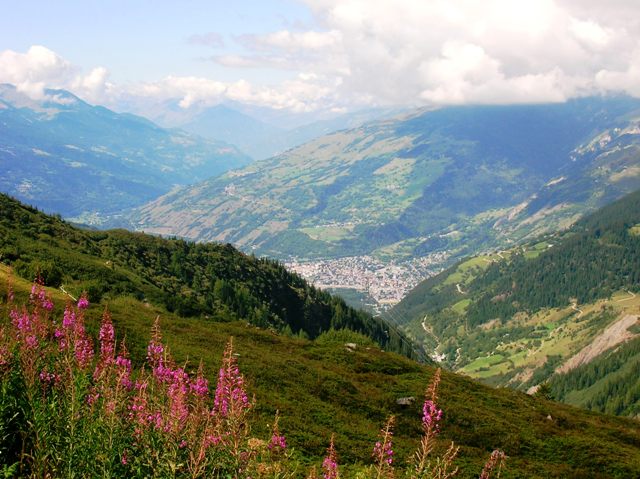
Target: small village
{"points": [[386, 283]]}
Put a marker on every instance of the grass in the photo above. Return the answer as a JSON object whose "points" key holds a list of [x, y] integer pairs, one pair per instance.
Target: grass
{"points": [[321, 387], [467, 271]]}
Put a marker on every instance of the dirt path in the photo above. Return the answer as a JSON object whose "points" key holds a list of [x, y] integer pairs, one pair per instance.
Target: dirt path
{"points": [[615, 334], [429, 331], [574, 306], [460, 289], [627, 299], [65, 292]]}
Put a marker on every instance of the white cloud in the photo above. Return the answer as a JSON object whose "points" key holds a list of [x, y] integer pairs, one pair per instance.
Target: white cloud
{"points": [[210, 39], [35, 70], [461, 51], [292, 41], [408, 52]]}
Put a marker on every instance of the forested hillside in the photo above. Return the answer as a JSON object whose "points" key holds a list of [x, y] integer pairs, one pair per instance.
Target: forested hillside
{"points": [[206, 280], [598, 257], [518, 317]]}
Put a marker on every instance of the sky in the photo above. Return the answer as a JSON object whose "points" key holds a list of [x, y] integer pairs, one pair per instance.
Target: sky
{"points": [[313, 55]]}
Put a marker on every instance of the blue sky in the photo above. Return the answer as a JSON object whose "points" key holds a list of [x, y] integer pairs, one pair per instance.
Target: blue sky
{"points": [[331, 55], [143, 40]]}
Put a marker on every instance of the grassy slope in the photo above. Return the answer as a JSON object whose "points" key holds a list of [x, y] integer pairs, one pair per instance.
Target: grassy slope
{"points": [[320, 388]]}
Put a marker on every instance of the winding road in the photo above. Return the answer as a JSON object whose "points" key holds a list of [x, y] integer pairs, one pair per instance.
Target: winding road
{"points": [[574, 306], [633, 295]]}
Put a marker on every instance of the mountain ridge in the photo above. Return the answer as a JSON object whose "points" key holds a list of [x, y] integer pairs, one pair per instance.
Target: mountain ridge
{"points": [[110, 161]]}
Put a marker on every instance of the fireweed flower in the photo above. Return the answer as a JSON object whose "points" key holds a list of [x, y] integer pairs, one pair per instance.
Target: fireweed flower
{"points": [[107, 345], [330, 463], [383, 450], [431, 415], [199, 386], [83, 302], [278, 442], [47, 377], [47, 303], [495, 460], [177, 394], [82, 347], [230, 397], [155, 349], [68, 318], [124, 370]]}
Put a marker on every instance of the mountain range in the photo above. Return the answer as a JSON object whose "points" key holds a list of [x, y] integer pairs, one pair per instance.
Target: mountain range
{"points": [[259, 132], [85, 161], [455, 180]]}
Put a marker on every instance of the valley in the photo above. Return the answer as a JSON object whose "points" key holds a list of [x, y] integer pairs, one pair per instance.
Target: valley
{"points": [[427, 187]]}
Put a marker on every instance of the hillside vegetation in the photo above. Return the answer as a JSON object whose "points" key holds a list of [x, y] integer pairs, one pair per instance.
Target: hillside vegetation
{"points": [[211, 281], [321, 387], [544, 310]]}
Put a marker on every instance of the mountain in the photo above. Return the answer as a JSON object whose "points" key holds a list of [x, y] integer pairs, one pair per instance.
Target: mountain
{"points": [[79, 160], [194, 280], [451, 180], [262, 139], [258, 139], [562, 309], [322, 387]]}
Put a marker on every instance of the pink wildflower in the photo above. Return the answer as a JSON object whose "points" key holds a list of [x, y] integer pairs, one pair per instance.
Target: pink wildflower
{"points": [[199, 386], [107, 337], [124, 365], [383, 449], [278, 442], [330, 463], [177, 393], [83, 302], [496, 459], [92, 397], [69, 318], [155, 350], [230, 397], [47, 377], [107, 344], [212, 440], [431, 415]]}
